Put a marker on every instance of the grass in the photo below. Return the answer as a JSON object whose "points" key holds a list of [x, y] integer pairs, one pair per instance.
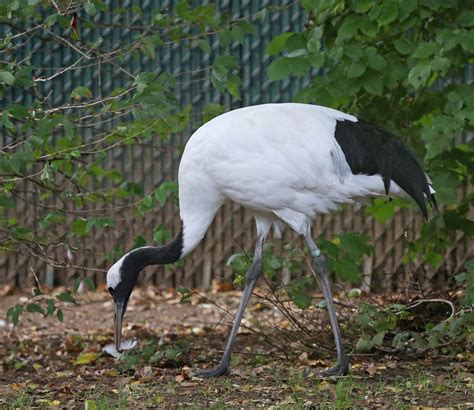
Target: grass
{"points": [[291, 386]]}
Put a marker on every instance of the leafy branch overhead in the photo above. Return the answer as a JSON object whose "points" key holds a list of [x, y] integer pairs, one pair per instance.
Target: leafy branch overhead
{"points": [[69, 147], [403, 65]]}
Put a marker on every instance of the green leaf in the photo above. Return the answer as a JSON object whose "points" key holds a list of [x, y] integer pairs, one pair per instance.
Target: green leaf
{"points": [[425, 50], [14, 313], [165, 190], [220, 72], [356, 69], [161, 234], [297, 53], [466, 18], [59, 315], [185, 293], [205, 46], [51, 307], [404, 46], [79, 227], [441, 64], [347, 270], [316, 60], [7, 77], [211, 111], [299, 65], [418, 75], [363, 6], [98, 222], [364, 344], [232, 85], [369, 28], [373, 85], [34, 308], [354, 52], [225, 37], [239, 262], [89, 7], [66, 297], [17, 111], [300, 298], [81, 92], [314, 42], [377, 340], [348, 28], [376, 61], [381, 209], [241, 28], [278, 43], [279, 69], [388, 13], [89, 283], [467, 41], [6, 202], [139, 241]]}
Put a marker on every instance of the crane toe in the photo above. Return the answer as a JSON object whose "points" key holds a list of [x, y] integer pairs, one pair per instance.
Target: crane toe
{"points": [[216, 372], [341, 369]]}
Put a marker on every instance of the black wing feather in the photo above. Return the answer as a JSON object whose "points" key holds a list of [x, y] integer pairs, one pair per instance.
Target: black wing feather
{"points": [[372, 150]]}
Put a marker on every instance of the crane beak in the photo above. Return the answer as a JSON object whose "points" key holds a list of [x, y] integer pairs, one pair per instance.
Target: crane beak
{"points": [[119, 312]]}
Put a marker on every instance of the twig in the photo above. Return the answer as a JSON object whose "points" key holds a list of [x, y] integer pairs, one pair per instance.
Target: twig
{"points": [[420, 301]]}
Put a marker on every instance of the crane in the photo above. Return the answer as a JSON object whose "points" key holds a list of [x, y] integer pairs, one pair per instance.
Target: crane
{"points": [[286, 163]]}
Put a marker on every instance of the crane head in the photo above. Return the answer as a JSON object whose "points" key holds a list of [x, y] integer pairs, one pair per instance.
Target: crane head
{"points": [[121, 279]]}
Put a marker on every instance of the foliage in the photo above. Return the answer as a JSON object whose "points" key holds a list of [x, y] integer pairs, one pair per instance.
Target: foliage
{"points": [[344, 253], [401, 64], [46, 305], [398, 323], [169, 355], [62, 147]]}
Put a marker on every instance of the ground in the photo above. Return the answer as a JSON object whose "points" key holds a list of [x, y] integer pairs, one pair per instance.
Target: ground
{"points": [[47, 363]]}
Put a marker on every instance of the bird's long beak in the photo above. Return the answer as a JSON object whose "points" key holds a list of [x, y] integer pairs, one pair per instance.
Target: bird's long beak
{"points": [[119, 312]]}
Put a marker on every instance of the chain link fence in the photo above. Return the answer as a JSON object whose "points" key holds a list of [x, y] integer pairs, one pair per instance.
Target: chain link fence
{"points": [[150, 164]]}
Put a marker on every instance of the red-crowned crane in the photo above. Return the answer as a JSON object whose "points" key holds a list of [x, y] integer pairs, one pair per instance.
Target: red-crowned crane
{"points": [[286, 163]]}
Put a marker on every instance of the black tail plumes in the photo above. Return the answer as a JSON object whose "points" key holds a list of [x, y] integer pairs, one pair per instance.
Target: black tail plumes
{"points": [[372, 150]]}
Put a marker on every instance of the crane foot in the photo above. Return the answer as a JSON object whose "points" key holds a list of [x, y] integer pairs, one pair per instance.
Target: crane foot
{"points": [[216, 372], [339, 370]]}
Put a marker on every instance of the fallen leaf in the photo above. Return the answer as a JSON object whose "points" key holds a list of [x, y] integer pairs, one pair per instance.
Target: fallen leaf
{"points": [[7, 290], [87, 358], [303, 358], [182, 376], [198, 331], [329, 388], [219, 287], [179, 378], [371, 369]]}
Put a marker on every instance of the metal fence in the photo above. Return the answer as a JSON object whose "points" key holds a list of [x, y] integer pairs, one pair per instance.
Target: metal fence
{"points": [[233, 228]]}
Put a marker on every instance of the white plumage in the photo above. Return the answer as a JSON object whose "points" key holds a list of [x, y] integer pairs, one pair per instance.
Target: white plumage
{"points": [[281, 161], [286, 163]]}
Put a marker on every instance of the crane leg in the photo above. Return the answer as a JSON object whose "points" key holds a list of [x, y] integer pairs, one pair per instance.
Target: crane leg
{"points": [[322, 276], [251, 279]]}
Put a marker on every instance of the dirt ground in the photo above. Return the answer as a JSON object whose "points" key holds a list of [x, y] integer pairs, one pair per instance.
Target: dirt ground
{"points": [[46, 363]]}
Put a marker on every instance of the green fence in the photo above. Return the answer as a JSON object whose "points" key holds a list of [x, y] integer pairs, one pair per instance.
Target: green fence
{"points": [[150, 165]]}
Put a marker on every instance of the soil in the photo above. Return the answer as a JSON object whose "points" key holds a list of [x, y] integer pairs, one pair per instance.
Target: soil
{"points": [[47, 363]]}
